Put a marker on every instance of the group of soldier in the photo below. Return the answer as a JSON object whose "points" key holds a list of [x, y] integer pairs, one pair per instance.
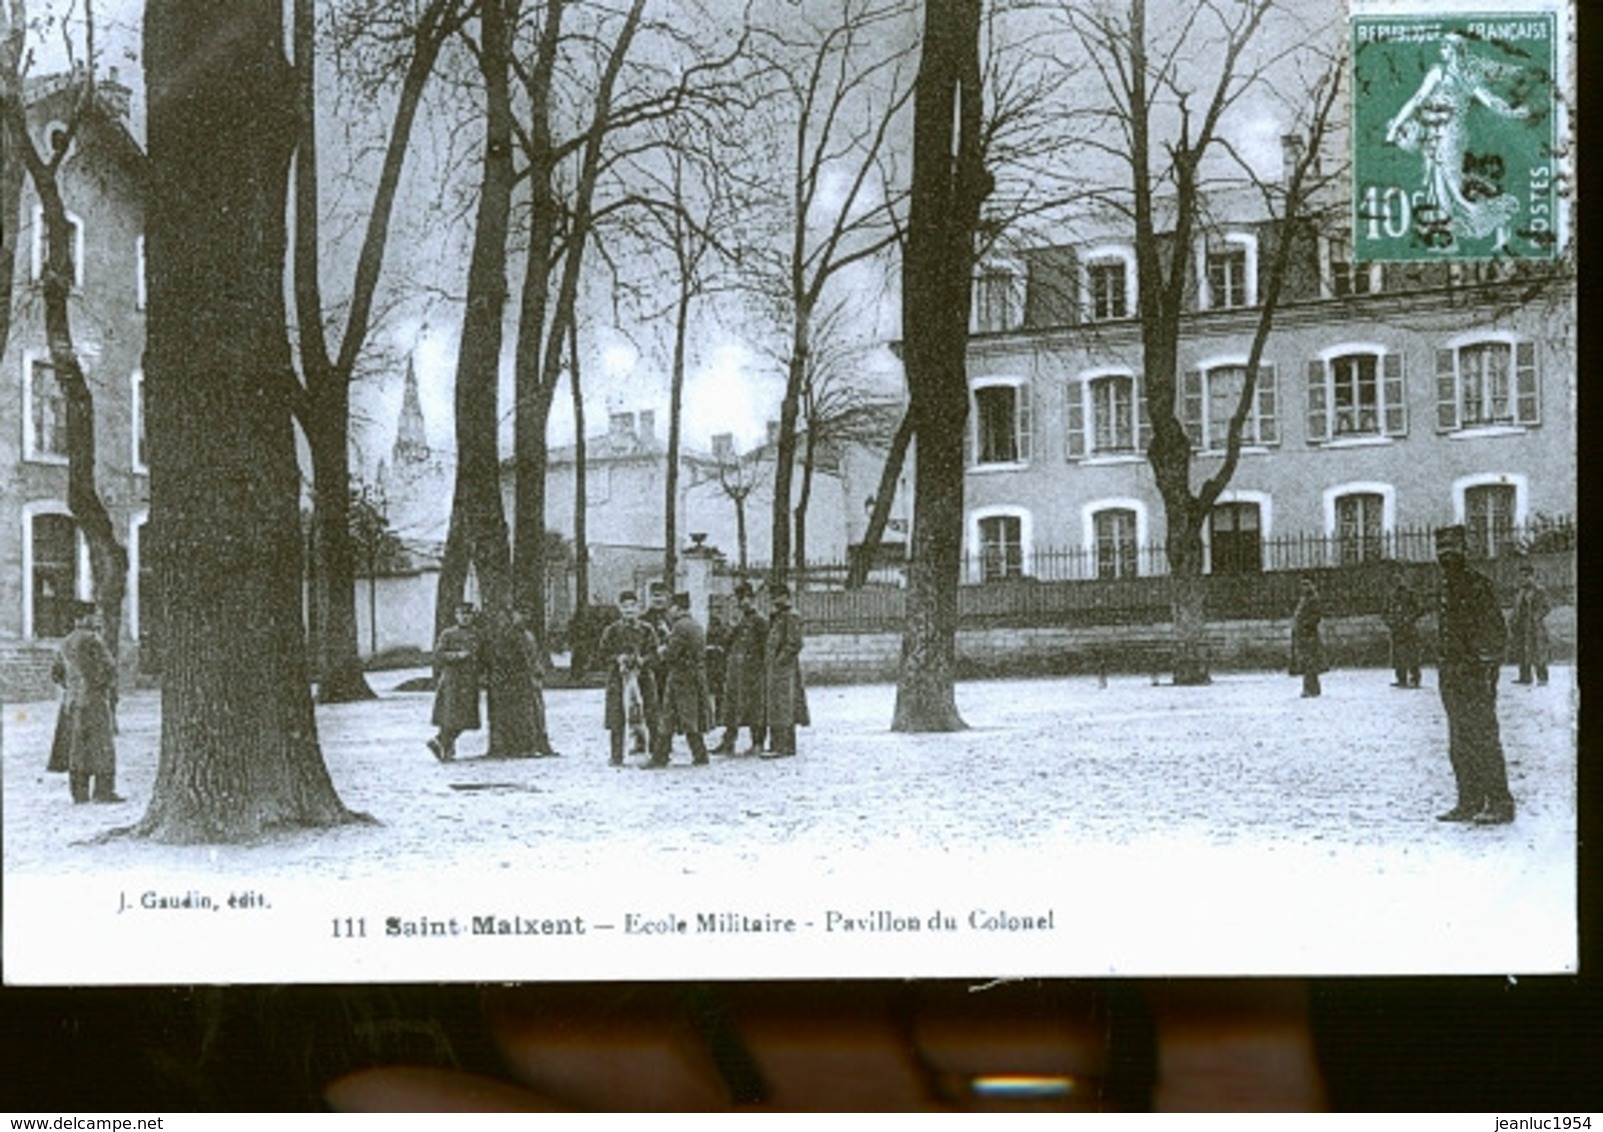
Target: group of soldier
{"points": [[1474, 639], [664, 677]]}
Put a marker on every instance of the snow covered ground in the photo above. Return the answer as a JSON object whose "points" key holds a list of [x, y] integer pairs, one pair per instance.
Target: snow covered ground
{"points": [[1231, 828]]}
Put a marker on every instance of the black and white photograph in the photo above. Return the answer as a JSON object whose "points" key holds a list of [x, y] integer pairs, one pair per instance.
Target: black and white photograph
{"points": [[633, 490]]}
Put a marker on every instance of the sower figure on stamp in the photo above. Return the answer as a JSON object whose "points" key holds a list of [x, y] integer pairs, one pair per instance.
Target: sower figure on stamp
{"points": [[1307, 650], [1402, 614], [83, 744], [1531, 607], [785, 696], [1473, 636], [628, 648], [457, 677], [686, 707], [745, 675]]}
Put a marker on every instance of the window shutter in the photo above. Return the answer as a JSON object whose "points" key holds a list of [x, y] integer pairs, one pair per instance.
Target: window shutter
{"points": [[1528, 403], [1191, 407], [1394, 404], [969, 428], [1023, 397], [1446, 391], [1143, 421], [1075, 392], [1318, 411], [1268, 425]]}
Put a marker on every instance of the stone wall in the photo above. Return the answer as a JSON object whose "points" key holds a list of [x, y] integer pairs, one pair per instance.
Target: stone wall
{"points": [[1350, 642]]}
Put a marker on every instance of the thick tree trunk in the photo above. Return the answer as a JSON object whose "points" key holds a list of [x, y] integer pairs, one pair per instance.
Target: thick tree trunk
{"points": [[937, 268], [340, 677], [1187, 594], [239, 750], [884, 499], [478, 517]]}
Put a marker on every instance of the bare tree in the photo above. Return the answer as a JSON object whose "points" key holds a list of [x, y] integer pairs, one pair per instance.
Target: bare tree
{"points": [[325, 410], [239, 748], [842, 93], [108, 557], [477, 536], [950, 184], [1169, 92], [738, 476]]}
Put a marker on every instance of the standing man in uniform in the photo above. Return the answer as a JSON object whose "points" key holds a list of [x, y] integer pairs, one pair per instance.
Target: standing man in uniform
{"points": [[457, 677], [1307, 650], [535, 659], [83, 740], [745, 675], [1402, 613], [785, 695], [1473, 637], [686, 709], [628, 646], [1531, 607]]}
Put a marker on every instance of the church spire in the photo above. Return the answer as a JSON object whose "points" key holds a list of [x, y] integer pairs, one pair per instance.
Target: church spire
{"points": [[411, 438]]}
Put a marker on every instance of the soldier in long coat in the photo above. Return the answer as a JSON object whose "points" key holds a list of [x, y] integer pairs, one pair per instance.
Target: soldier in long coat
{"points": [[785, 694], [458, 675], [1402, 612], [83, 741], [628, 641], [1307, 650], [686, 708], [1529, 629], [745, 675], [536, 666], [1473, 637]]}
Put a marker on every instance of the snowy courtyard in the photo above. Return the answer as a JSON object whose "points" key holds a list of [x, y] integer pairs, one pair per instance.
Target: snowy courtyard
{"points": [[1217, 803]]}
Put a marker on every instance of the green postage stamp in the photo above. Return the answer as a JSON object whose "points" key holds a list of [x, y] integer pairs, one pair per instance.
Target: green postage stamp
{"points": [[1454, 121]]}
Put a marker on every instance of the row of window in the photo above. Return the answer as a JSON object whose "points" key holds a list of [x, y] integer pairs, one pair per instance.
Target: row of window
{"points": [[1113, 541], [45, 414], [40, 255], [1352, 393], [1225, 268]]}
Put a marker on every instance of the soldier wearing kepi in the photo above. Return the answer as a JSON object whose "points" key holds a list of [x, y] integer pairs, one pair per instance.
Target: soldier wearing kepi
{"points": [[686, 709], [83, 742], [744, 674], [458, 676], [628, 648], [1473, 636], [785, 698]]}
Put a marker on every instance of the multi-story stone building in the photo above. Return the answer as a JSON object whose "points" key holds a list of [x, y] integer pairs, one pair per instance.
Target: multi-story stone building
{"points": [[1392, 397], [43, 558]]}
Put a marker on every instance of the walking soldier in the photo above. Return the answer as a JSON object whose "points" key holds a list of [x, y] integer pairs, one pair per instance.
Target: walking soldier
{"points": [[1402, 611]]}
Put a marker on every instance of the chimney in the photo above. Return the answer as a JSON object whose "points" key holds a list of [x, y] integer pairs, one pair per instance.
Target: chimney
{"points": [[648, 428], [1292, 149], [723, 448], [773, 432], [621, 429], [113, 94]]}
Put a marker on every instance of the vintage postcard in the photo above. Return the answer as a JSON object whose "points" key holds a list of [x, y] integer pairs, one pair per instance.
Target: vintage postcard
{"points": [[603, 576]]}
